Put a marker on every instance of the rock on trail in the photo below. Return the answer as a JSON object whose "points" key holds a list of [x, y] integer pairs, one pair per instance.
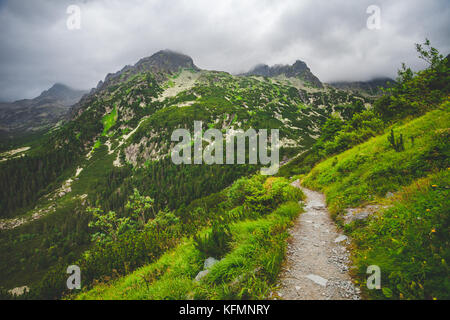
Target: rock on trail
{"points": [[317, 261]]}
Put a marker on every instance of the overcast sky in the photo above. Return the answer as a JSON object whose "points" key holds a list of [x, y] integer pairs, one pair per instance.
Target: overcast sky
{"points": [[37, 49]]}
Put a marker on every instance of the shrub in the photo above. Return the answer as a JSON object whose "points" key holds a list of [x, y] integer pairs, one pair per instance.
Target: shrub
{"points": [[215, 243], [243, 189]]}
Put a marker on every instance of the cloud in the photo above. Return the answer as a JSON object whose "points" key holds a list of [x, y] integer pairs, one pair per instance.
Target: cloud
{"points": [[331, 36]]}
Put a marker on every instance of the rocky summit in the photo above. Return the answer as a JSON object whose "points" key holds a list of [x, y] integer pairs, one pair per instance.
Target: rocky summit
{"points": [[297, 70]]}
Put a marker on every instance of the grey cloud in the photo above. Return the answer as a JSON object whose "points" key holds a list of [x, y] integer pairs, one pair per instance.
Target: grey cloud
{"points": [[37, 50]]}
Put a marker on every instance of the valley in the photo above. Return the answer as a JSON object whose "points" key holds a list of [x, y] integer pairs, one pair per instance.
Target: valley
{"points": [[103, 193]]}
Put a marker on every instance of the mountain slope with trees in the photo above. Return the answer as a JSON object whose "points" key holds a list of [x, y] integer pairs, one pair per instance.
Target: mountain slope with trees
{"points": [[397, 161], [25, 117], [118, 139], [108, 198]]}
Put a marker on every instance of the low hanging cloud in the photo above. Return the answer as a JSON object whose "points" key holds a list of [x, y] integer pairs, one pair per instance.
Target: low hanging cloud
{"points": [[37, 49]]}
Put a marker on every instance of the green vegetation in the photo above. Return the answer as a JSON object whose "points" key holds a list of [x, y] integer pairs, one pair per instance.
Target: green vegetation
{"points": [[374, 168], [215, 243], [30, 250], [110, 120], [336, 136], [409, 242], [97, 145], [397, 144], [409, 237], [254, 243], [140, 245], [142, 229], [417, 93]]}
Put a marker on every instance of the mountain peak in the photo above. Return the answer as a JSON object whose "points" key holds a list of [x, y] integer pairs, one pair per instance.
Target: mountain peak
{"points": [[44, 111], [298, 69], [167, 61], [57, 88], [63, 93], [160, 64]]}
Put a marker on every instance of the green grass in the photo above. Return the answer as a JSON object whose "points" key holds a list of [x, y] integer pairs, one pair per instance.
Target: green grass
{"points": [[95, 171], [249, 271], [110, 120], [409, 239], [368, 171], [409, 242], [97, 145]]}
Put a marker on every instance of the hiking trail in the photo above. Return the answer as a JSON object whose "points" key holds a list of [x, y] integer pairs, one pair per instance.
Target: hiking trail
{"points": [[317, 261]]}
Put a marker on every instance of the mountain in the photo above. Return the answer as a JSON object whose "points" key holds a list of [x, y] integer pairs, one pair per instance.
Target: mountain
{"points": [[101, 192], [167, 91], [30, 115], [298, 70], [117, 138], [371, 87], [62, 94], [384, 175], [159, 64]]}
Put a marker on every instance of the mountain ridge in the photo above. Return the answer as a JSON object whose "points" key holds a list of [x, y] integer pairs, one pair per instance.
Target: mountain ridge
{"points": [[298, 69], [370, 87], [29, 115]]}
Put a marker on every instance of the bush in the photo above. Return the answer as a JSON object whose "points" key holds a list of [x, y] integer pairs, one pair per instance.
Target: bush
{"points": [[215, 243], [243, 189]]}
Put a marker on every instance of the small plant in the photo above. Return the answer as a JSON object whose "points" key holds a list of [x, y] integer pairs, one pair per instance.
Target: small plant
{"points": [[215, 243], [397, 144]]}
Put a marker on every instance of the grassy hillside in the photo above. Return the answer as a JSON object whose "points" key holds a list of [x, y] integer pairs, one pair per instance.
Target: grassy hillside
{"points": [[371, 170], [106, 196], [409, 239], [249, 263]]}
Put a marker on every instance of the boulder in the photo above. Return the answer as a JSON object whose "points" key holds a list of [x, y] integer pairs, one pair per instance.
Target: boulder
{"points": [[201, 275], [209, 263]]}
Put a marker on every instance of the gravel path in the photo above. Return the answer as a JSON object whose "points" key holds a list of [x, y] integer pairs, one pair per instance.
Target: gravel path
{"points": [[317, 257]]}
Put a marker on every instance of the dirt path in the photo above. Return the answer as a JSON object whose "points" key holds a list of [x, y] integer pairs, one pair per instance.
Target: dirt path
{"points": [[317, 259]]}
